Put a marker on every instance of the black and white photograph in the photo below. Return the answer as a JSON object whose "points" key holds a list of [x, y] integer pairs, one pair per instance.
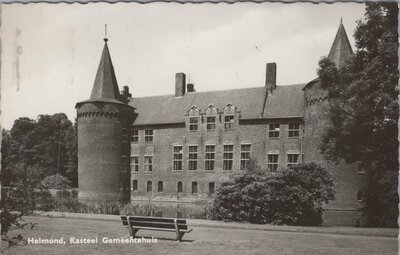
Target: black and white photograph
{"points": [[199, 128]]}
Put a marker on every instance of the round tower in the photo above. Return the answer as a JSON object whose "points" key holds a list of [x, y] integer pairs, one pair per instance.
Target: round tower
{"points": [[103, 121]]}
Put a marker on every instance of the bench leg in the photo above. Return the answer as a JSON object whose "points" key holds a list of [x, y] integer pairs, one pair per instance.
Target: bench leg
{"points": [[180, 236], [134, 231]]}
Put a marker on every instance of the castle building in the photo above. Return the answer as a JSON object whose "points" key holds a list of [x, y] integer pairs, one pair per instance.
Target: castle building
{"points": [[177, 149]]}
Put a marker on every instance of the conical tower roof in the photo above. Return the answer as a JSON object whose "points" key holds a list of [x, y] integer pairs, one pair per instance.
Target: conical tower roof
{"points": [[341, 48], [105, 84]]}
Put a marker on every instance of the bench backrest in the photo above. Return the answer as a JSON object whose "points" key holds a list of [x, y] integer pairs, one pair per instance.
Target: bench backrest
{"points": [[154, 222]]}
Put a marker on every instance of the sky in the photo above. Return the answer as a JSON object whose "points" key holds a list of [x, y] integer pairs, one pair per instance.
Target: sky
{"points": [[50, 52]]}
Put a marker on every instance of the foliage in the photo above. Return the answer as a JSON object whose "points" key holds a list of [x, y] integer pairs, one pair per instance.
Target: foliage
{"points": [[364, 109], [292, 196], [56, 181], [48, 143]]}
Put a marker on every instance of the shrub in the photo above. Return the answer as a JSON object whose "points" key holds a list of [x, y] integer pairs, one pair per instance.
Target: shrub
{"points": [[292, 196], [56, 181]]}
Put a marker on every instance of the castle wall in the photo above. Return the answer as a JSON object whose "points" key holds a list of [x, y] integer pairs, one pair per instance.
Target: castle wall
{"points": [[166, 136], [99, 152], [345, 209]]}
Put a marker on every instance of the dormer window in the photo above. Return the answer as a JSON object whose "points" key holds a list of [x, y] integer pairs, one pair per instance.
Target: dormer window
{"points": [[229, 120], [211, 113], [193, 119], [193, 123], [211, 123]]}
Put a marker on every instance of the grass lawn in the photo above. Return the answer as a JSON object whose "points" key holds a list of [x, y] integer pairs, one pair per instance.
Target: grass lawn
{"points": [[202, 240]]}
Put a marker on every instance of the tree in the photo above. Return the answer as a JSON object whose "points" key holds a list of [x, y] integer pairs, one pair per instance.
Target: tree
{"points": [[363, 109], [56, 181], [292, 196]]}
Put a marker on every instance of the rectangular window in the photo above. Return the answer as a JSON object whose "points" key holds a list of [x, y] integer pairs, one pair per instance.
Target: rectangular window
{"points": [[135, 136], [210, 157], [229, 120], [228, 157], [193, 123], [148, 163], [177, 158], [211, 188], [135, 163], [244, 155], [134, 185], [360, 168], [273, 131], [179, 187], [192, 157], [194, 187], [294, 130], [211, 123], [292, 159], [148, 136], [272, 164]]}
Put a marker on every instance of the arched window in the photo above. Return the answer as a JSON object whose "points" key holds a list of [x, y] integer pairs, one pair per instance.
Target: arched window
{"points": [[229, 116], [160, 186], [211, 118], [194, 118], [179, 187], [149, 186]]}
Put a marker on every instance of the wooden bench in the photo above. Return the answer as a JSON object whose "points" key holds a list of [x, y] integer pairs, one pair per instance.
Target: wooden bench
{"points": [[134, 223]]}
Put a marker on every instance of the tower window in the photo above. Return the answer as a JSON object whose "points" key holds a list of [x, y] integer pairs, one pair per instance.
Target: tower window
{"points": [[210, 157], [135, 136], [228, 157], [160, 186], [179, 187], [211, 123], [135, 163], [294, 130], [193, 123], [272, 163], [192, 157], [211, 188], [148, 163], [148, 136], [273, 130], [177, 158], [292, 159], [229, 121], [194, 187], [134, 185], [149, 186], [244, 155], [360, 195]]}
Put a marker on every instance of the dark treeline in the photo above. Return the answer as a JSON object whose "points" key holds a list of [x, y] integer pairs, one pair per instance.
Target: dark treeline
{"points": [[39, 148]]}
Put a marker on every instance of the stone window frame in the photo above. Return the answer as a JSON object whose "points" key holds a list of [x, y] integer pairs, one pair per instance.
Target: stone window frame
{"points": [[274, 130], [177, 160], [160, 187], [181, 187], [135, 184], [229, 125], [209, 158], [149, 186], [244, 155], [149, 135], [193, 157], [289, 159], [211, 125], [211, 188], [227, 157], [294, 132], [135, 136], [135, 165], [195, 186], [148, 166], [272, 162]]}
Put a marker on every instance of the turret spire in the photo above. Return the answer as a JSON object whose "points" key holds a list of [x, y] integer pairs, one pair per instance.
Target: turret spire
{"points": [[105, 84], [341, 48]]}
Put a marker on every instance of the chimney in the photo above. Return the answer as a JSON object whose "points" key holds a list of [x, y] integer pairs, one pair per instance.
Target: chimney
{"points": [[125, 95], [190, 87], [180, 84], [270, 78]]}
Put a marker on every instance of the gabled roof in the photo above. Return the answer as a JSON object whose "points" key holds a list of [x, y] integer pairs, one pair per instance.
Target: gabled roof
{"points": [[105, 84], [286, 101], [341, 48]]}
